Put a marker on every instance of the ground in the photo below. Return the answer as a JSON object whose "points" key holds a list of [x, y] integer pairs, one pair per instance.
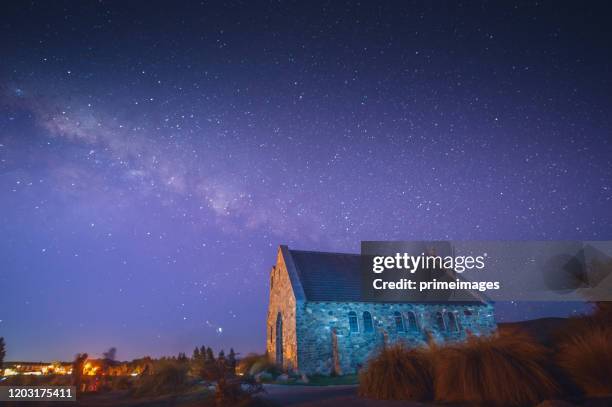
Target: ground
{"points": [[199, 398], [323, 396], [274, 396]]}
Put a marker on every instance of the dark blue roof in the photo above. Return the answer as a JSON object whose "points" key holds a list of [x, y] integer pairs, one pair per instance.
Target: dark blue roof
{"points": [[328, 276], [335, 277]]}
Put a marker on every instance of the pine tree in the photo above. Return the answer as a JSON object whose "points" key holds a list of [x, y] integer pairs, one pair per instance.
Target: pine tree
{"points": [[210, 357], [182, 357], [197, 362], [221, 365], [231, 362], [209, 368]]}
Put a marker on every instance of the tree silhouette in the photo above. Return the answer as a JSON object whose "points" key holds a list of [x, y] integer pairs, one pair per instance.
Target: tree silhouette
{"points": [[182, 357], [108, 360], [77, 369], [231, 362], [2, 352], [210, 357], [197, 360], [110, 355]]}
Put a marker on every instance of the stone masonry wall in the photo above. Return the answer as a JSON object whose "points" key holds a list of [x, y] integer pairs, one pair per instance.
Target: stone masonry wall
{"points": [[316, 321], [282, 300]]}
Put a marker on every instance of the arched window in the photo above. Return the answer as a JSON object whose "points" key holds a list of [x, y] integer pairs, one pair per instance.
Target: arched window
{"points": [[452, 322], [440, 322], [367, 322], [399, 322], [353, 324], [412, 322]]}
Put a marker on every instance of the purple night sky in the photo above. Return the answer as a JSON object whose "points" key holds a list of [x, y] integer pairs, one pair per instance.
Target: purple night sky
{"points": [[153, 157]]}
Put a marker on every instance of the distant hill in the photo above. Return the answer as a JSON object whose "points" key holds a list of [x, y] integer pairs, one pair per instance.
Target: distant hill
{"points": [[542, 329]]}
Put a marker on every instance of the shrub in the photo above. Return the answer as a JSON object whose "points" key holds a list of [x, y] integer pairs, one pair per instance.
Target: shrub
{"points": [[263, 364], [586, 357], [397, 373], [236, 391], [244, 364], [510, 369], [118, 382], [59, 380], [168, 377]]}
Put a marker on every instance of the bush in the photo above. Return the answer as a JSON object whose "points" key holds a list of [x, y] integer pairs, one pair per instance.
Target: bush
{"points": [[586, 357], [244, 364], [59, 380], [397, 373], [118, 382], [263, 365], [168, 377], [510, 369]]}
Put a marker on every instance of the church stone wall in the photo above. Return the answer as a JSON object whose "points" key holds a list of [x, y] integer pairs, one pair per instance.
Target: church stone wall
{"points": [[316, 324], [282, 300]]}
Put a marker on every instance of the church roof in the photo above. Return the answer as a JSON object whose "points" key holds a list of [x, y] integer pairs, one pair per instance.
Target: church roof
{"points": [[328, 276], [335, 277]]}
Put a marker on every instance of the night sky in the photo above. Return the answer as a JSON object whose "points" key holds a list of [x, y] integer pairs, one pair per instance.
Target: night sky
{"points": [[153, 156]]}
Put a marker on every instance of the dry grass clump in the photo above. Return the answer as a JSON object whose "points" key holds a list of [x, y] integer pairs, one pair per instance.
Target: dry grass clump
{"points": [[586, 357], [580, 324], [168, 377], [509, 370], [397, 373]]}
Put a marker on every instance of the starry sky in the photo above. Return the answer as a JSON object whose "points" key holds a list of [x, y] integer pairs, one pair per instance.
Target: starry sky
{"points": [[154, 155]]}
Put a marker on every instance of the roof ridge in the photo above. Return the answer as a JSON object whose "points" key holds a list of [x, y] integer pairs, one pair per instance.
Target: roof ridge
{"points": [[323, 252]]}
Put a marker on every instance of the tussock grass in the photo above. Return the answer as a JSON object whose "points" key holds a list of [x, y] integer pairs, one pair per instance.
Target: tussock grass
{"points": [[586, 357], [397, 373], [510, 370]]}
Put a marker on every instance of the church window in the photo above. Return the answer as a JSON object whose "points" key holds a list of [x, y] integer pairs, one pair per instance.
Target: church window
{"points": [[412, 322], [452, 322], [353, 324], [440, 322], [399, 322], [367, 322]]}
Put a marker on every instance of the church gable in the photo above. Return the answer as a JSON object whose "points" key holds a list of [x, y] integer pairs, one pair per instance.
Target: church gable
{"points": [[281, 344]]}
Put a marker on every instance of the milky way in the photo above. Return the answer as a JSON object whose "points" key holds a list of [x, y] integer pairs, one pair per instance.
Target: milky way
{"points": [[153, 157]]}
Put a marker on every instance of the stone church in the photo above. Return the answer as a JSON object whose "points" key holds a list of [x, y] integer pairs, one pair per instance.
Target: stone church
{"points": [[318, 323]]}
